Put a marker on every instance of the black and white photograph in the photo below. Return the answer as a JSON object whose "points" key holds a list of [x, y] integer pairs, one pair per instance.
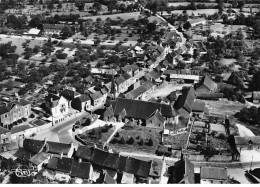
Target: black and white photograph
{"points": [[129, 92]]}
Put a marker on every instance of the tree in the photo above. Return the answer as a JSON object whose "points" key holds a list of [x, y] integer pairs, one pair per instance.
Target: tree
{"points": [[208, 152], [150, 142], [236, 79], [151, 27], [59, 6], [97, 6], [66, 32], [80, 4], [187, 25], [130, 140], [50, 6], [241, 4]]}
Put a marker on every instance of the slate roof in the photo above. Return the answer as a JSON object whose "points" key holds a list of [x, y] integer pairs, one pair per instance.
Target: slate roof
{"points": [[33, 145], [134, 67], [20, 128], [208, 83], [52, 163], [185, 100], [69, 94], [96, 95], [3, 109], [172, 96], [22, 102], [3, 130], [64, 164], [24, 154], [142, 109], [39, 158], [84, 152], [80, 170], [119, 80], [213, 173], [189, 171], [108, 179], [57, 148], [137, 167], [83, 98], [140, 90], [158, 115], [105, 159], [126, 76]]}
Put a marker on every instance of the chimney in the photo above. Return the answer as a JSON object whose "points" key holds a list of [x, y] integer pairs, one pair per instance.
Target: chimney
{"points": [[61, 155], [45, 141], [51, 99]]}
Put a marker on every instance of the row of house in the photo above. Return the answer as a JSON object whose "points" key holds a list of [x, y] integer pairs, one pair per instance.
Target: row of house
{"points": [[63, 162]]}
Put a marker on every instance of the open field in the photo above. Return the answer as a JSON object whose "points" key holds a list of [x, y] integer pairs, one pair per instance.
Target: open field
{"points": [[223, 107], [165, 89], [97, 135], [139, 140]]}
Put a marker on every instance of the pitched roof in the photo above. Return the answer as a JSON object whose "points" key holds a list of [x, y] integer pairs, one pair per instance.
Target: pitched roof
{"points": [[158, 114], [20, 128], [96, 95], [185, 100], [142, 109], [208, 83], [3, 130], [105, 159], [189, 171], [140, 90], [137, 167], [64, 164], [22, 102], [108, 179], [213, 173], [3, 109], [33, 145], [83, 98], [84, 152], [80, 170], [52, 163], [39, 158], [119, 80], [172, 96], [57, 148], [69, 94], [126, 76], [24, 154]]}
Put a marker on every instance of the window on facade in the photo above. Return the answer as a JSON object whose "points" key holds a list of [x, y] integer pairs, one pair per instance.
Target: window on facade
{"points": [[211, 181], [5, 115]]}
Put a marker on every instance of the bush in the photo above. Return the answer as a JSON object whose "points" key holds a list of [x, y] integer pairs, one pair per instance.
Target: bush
{"points": [[222, 136], [130, 140], [55, 42], [149, 142], [105, 129], [141, 142], [114, 141], [117, 135], [122, 140]]}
